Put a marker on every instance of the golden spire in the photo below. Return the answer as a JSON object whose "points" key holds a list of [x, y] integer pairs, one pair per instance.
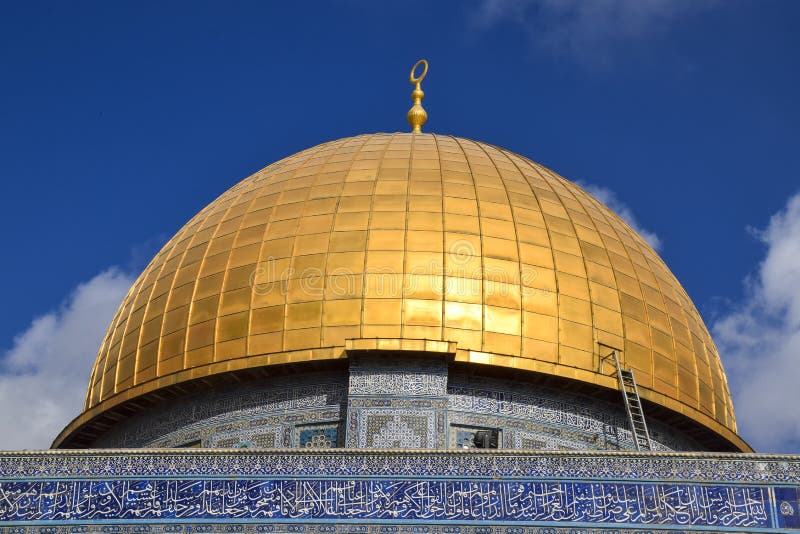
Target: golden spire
{"points": [[416, 115]]}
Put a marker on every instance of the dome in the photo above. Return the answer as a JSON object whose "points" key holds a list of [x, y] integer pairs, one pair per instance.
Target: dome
{"points": [[403, 240]]}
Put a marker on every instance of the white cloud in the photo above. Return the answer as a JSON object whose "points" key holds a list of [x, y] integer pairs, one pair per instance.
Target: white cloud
{"points": [[43, 377], [610, 199], [586, 31], [759, 340]]}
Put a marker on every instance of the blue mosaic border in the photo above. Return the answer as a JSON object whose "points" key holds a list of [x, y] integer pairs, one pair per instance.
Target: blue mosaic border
{"points": [[43, 491], [577, 465], [382, 500]]}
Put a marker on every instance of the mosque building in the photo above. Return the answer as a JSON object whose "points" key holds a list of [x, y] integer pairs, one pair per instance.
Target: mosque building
{"points": [[405, 332]]}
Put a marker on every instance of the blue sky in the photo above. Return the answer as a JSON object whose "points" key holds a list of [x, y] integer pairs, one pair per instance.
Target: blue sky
{"points": [[120, 120]]}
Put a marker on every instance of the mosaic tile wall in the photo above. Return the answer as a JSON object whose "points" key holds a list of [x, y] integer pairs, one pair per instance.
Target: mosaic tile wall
{"points": [[397, 404], [266, 415], [466, 492], [400, 403], [544, 418]]}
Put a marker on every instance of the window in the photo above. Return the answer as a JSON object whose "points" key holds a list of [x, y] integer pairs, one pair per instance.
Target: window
{"points": [[475, 437]]}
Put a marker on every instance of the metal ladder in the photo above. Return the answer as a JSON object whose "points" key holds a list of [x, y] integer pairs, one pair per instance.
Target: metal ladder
{"points": [[633, 405]]}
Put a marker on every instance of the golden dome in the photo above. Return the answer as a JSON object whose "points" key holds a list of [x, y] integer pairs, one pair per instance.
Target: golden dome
{"points": [[411, 237]]}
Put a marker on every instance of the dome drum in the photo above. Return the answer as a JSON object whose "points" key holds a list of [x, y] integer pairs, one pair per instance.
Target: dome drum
{"points": [[386, 398], [282, 406]]}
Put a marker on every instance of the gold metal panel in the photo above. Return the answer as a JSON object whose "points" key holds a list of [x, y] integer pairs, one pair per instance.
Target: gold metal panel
{"points": [[376, 331], [495, 228], [600, 274], [303, 315], [422, 312], [200, 335], [632, 307], [564, 243], [353, 221], [382, 285], [172, 344], [248, 236], [269, 319], [214, 264], [457, 289], [336, 335], [239, 277], [424, 240], [505, 249], [539, 350], [495, 210], [418, 262], [502, 320], [391, 220], [638, 356], [540, 301], [572, 357], [175, 319], [380, 261], [341, 263], [386, 239], [423, 286], [348, 241], [662, 342], [463, 266], [664, 369], [460, 206], [342, 312], [235, 301], [151, 330], [562, 274], [463, 316], [574, 286], [468, 224], [539, 326], [424, 221], [340, 286], [203, 310], [419, 203], [533, 235], [577, 310], [187, 275], [232, 326], [529, 217], [423, 332], [311, 244], [575, 335], [265, 343], [497, 344], [382, 311], [277, 248], [502, 294], [501, 270], [298, 339], [315, 224], [536, 255]]}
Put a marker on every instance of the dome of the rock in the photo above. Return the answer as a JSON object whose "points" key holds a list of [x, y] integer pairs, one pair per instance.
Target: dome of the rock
{"points": [[401, 245]]}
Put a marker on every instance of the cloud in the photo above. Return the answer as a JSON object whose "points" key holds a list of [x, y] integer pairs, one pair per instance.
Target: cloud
{"points": [[587, 32], [759, 340], [43, 377], [610, 199]]}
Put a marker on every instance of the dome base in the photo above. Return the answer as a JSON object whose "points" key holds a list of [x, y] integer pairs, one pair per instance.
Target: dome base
{"points": [[391, 400]]}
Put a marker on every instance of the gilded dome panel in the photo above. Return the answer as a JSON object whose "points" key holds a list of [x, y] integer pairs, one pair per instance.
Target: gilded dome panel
{"points": [[412, 236]]}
